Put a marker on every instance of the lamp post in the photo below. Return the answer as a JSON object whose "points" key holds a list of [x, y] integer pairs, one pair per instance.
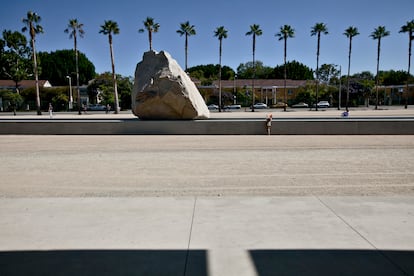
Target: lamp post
{"points": [[340, 88], [70, 93], [235, 89]]}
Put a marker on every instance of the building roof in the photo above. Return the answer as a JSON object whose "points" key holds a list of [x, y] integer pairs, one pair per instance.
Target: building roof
{"points": [[260, 83], [23, 83]]}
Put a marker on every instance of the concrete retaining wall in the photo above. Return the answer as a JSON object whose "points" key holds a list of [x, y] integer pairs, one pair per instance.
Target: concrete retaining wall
{"points": [[208, 127]]}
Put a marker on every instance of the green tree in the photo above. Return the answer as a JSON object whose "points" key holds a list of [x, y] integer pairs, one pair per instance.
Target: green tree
{"points": [[254, 31], [294, 71], [318, 29], [74, 29], [220, 33], [285, 32], [15, 61], [101, 87], [349, 33], [408, 28], [209, 73], [151, 27], [32, 25], [187, 30], [61, 63], [392, 77], [111, 27], [378, 34], [326, 72]]}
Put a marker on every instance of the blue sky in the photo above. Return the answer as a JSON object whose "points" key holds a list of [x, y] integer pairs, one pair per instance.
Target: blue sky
{"points": [[236, 17]]}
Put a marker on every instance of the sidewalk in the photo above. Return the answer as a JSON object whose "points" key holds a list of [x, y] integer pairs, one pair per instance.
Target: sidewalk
{"points": [[393, 111], [207, 236]]}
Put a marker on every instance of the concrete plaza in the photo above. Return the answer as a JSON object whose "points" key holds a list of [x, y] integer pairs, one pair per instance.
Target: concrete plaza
{"points": [[206, 205]]}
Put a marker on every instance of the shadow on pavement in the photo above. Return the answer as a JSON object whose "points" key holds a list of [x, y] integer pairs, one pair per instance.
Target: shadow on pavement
{"points": [[104, 262], [333, 262]]}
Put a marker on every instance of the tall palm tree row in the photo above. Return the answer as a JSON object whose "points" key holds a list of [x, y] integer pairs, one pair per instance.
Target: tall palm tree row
{"points": [[318, 29], [220, 33], [187, 30], [32, 25], [377, 34], [408, 28], [74, 29], [350, 32], [285, 32], [152, 27], [111, 27], [254, 31]]}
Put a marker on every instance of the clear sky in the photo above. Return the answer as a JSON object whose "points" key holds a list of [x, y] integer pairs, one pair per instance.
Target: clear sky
{"points": [[236, 16]]}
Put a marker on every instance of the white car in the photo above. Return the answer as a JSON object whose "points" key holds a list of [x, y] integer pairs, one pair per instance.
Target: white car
{"points": [[260, 106], [323, 104], [212, 107], [233, 106]]}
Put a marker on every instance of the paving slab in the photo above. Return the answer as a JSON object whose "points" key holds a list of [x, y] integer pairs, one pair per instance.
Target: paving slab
{"points": [[206, 236]]}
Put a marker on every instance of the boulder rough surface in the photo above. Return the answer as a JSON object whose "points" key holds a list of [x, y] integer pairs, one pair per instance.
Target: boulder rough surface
{"points": [[163, 91]]}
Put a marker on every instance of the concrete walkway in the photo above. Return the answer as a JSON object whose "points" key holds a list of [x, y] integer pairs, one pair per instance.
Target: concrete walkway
{"points": [[206, 205], [309, 235]]}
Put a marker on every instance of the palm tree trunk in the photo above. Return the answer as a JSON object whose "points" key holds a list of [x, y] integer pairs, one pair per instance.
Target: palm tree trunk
{"points": [[186, 51], [39, 112], [285, 75], [114, 76], [377, 79], [317, 71], [220, 103], [77, 74], [254, 69], [150, 40], [349, 69], [408, 73]]}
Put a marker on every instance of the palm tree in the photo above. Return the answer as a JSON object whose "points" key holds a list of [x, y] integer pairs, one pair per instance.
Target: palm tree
{"points": [[187, 30], [349, 33], [151, 27], [220, 33], [254, 31], [285, 32], [408, 28], [31, 22], [111, 27], [74, 28], [378, 33], [318, 29]]}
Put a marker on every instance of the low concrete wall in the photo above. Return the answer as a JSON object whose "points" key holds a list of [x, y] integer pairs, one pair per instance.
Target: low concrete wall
{"points": [[208, 127]]}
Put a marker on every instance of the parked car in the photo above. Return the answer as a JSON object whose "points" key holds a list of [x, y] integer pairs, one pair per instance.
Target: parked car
{"points": [[260, 106], [324, 104], [96, 107], [280, 105], [232, 106], [213, 107], [300, 105]]}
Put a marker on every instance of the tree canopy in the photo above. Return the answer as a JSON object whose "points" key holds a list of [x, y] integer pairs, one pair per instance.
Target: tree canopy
{"points": [[294, 71], [55, 66]]}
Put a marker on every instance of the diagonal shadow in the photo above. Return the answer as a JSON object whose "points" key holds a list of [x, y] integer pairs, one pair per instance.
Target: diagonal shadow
{"points": [[333, 262], [103, 262]]}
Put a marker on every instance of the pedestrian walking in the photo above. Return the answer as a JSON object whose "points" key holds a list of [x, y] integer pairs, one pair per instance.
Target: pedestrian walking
{"points": [[269, 123], [50, 111]]}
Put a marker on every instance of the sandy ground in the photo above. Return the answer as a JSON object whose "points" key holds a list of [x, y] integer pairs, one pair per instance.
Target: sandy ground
{"points": [[137, 166]]}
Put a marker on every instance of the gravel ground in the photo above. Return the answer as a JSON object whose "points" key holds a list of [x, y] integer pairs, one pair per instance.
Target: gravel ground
{"points": [[135, 166]]}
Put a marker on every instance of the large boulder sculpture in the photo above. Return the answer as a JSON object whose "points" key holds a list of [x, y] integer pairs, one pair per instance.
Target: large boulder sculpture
{"points": [[163, 91]]}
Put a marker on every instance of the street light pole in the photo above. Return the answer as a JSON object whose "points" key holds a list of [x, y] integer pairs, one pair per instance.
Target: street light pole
{"points": [[340, 87], [70, 93]]}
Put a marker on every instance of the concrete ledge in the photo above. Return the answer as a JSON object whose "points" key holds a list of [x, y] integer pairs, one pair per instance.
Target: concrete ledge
{"points": [[391, 126]]}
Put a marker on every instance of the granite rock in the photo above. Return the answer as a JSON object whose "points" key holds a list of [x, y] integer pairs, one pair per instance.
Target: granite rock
{"points": [[163, 91]]}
